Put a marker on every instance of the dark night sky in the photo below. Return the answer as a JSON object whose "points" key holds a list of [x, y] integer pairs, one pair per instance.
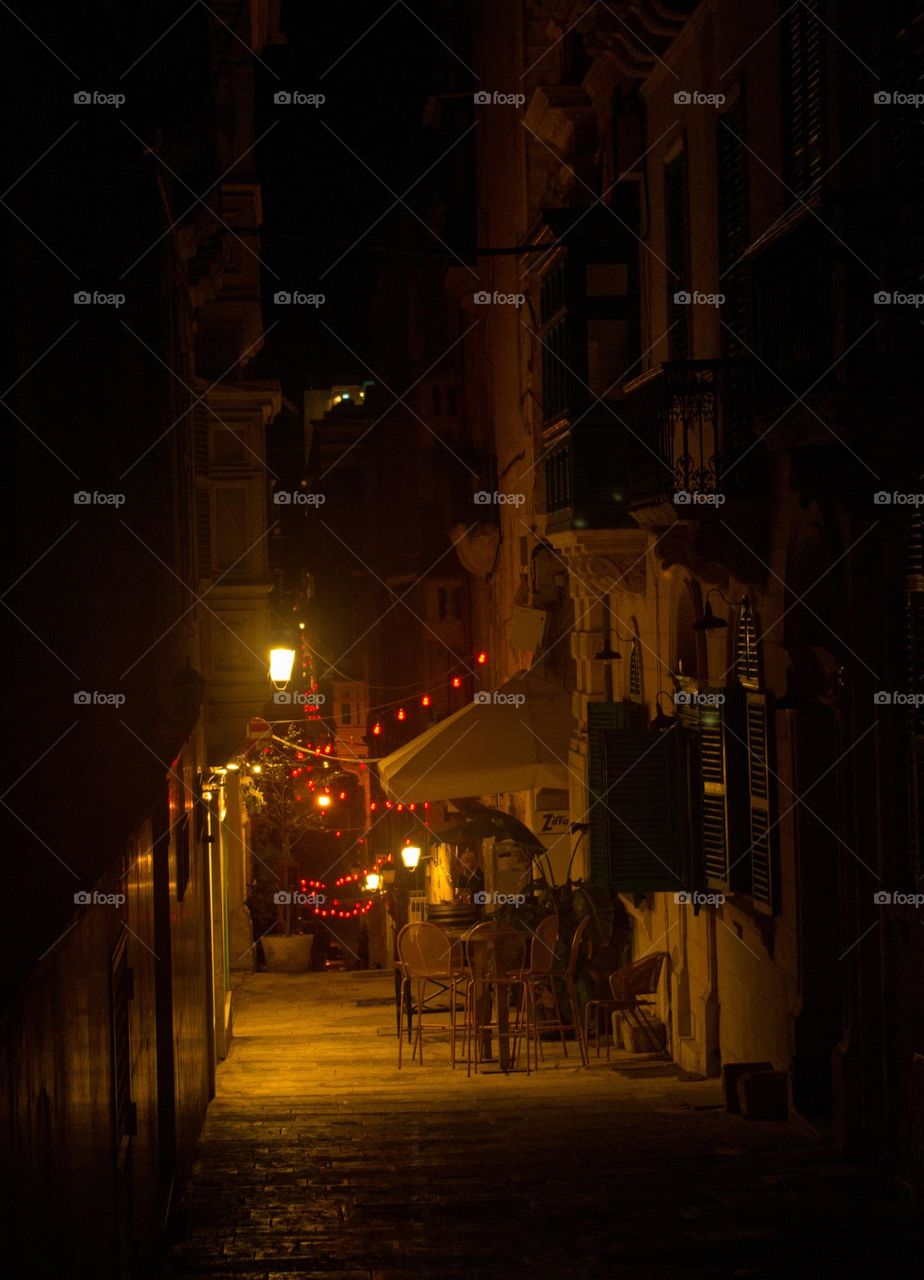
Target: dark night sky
{"points": [[318, 198]]}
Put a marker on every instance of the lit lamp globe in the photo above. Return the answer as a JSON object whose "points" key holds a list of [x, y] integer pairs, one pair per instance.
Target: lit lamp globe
{"points": [[323, 801], [373, 880], [410, 856], [282, 660]]}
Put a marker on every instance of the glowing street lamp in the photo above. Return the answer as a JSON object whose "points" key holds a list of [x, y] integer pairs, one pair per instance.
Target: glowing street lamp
{"points": [[282, 660], [372, 882], [323, 801], [410, 856]]}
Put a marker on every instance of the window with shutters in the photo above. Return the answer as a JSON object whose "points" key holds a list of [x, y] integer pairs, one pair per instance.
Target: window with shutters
{"points": [[802, 48], [639, 828], [736, 794], [586, 331], [714, 767], [677, 236], [733, 225], [557, 356]]}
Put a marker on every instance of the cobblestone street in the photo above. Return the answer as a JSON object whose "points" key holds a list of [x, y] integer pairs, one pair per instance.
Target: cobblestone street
{"points": [[319, 1158]]}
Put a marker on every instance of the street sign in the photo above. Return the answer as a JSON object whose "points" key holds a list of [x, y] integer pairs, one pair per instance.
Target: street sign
{"points": [[258, 730]]}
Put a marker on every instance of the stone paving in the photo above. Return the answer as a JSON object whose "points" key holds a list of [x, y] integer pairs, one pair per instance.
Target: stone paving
{"points": [[320, 1159]]}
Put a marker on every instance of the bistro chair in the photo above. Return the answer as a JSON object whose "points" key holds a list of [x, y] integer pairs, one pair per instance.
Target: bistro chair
{"points": [[539, 978], [542, 972], [632, 989], [426, 958], [496, 957]]}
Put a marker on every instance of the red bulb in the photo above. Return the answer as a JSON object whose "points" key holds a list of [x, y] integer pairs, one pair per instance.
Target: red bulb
{"points": [[376, 728], [401, 714], [457, 682], [425, 700], [481, 657]]}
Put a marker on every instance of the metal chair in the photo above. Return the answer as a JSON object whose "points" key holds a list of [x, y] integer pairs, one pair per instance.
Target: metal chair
{"points": [[425, 956], [496, 960], [540, 972], [628, 986], [540, 977]]}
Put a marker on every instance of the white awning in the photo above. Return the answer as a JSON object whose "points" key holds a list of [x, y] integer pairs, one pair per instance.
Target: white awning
{"points": [[513, 739]]}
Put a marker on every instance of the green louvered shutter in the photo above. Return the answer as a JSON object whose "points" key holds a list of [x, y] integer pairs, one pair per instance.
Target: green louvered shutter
{"points": [[714, 818], [646, 818], [602, 717], [763, 888]]}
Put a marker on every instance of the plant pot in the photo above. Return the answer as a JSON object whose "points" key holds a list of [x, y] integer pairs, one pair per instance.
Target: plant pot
{"points": [[288, 955]]}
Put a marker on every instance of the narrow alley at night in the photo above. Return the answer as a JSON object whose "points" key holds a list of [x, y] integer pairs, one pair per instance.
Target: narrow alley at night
{"points": [[462, 810], [319, 1157]]}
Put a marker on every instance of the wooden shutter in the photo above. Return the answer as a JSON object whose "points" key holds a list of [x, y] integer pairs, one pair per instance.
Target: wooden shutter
{"points": [[557, 354], [803, 96], [645, 815], [763, 887], [714, 822], [746, 665], [678, 253], [602, 718], [906, 58]]}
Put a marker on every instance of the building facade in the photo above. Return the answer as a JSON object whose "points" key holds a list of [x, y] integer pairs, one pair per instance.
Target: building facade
{"points": [[692, 390], [126, 907]]}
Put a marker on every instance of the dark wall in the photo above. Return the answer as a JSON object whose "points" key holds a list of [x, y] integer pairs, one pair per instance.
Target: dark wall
{"points": [[93, 401]]}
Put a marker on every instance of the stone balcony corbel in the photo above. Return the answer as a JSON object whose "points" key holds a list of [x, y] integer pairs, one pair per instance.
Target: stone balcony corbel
{"points": [[563, 117]]}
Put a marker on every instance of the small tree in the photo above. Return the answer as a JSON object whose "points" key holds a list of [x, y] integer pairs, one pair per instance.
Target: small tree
{"points": [[281, 794]]}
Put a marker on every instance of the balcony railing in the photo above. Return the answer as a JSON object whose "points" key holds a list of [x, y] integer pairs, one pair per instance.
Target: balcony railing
{"points": [[693, 418]]}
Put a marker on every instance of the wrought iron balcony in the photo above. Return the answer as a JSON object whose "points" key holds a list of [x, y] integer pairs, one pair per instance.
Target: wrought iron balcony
{"points": [[693, 420]]}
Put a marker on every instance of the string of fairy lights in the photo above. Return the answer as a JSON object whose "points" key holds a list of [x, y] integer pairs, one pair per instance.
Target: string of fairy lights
{"points": [[402, 706], [367, 879]]}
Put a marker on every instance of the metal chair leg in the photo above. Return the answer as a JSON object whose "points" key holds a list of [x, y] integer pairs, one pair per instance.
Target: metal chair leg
{"points": [[561, 1021], [401, 1021]]}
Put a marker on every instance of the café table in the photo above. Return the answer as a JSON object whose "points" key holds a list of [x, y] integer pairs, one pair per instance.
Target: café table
{"points": [[482, 957]]}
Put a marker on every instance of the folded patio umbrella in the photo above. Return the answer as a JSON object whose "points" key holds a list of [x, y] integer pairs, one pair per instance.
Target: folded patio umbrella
{"points": [[513, 739], [482, 824]]}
